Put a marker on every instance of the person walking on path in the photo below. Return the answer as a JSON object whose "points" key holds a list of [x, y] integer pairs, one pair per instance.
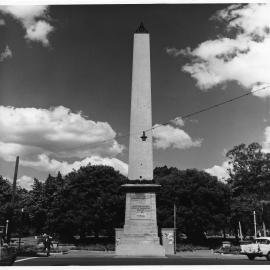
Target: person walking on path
{"points": [[48, 244]]}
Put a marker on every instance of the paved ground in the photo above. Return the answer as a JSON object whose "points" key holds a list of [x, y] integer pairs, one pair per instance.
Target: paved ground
{"points": [[97, 258]]}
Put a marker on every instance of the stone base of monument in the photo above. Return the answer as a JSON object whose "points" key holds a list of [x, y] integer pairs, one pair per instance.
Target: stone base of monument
{"points": [[140, 250], [139, 237], [139, 246]]}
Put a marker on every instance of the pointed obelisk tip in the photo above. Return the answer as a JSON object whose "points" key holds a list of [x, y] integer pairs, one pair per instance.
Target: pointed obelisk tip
{"points": [[141, 29]]}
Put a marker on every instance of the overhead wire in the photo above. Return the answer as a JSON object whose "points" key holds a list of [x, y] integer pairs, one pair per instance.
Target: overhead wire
{"points": [[208, 108], [185, 116]]}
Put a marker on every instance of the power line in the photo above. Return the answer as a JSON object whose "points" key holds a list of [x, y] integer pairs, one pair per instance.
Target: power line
{"points": [[187, 115], [209, 108]]}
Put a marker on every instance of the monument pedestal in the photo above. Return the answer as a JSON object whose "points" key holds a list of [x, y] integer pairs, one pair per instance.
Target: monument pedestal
{"points": [[139, 236]]}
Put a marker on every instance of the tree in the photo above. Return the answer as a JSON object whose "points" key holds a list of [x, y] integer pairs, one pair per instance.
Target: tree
{"points": [[37, 207], [90, 202], [250, 185], [250, 170], [7, 212], [202, 201], [5, 200]]}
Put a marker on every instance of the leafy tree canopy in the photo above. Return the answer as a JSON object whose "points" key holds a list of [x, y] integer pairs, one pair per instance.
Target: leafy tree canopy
{"points": [[201, 201]]}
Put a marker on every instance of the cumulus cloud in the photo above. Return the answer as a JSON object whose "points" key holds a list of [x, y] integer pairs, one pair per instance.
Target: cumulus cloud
{"points": [[7, 53], [178, 121], [220, 171], [34, 19], [25, 182], [266, 142], [174, 52], [44, 163], [39, 32], [56, 132], [169, 136], [241, 56]]}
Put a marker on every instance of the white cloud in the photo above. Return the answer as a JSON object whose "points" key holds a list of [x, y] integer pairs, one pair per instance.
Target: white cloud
{"points": [[178, 121], [7, 53], [174, 52], [53, 166], [39, 32], [220, 171], [266, 142], [56, 132], [44, 163], [242, 57], [25, 182], [263, 90], [168, 136], [33, 19]]}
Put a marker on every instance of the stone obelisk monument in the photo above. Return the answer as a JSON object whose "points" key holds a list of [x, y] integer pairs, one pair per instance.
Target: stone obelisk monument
{"points": [[139, 237]]}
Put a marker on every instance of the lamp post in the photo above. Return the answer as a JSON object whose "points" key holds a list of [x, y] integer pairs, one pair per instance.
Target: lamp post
{"points": [[254, 221], [20, 231], [143, 137], [174, 225], [7, 222], [1, 240]]}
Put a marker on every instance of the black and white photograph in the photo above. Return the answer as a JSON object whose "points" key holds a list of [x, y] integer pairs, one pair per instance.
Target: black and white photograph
{"points": [[134, 134]]}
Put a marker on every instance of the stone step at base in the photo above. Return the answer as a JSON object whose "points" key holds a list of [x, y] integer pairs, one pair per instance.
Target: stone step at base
{"points": [[140, 250]]}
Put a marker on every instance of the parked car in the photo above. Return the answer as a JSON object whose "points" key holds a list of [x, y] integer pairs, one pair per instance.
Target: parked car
{"points": [[260, 247]]}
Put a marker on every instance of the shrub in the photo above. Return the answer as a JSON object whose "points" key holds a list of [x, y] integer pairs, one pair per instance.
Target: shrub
{"points": [[110, 247], [189, 247], [95, 247], [229, 250]]}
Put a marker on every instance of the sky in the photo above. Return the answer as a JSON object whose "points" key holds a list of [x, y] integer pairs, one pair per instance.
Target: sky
{"points": [[65, 85]]}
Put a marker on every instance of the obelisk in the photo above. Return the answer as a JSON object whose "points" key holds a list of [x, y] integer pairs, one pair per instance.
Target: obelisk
{"points": [[141, 151], [139, 237]]}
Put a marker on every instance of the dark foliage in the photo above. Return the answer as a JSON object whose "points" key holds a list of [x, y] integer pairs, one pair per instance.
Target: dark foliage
{"points": [[89, 201], [201, 201], [250, 186]]}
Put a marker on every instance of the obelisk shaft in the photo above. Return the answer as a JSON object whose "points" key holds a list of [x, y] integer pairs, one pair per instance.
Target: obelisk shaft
{"points": [[141, 152]]}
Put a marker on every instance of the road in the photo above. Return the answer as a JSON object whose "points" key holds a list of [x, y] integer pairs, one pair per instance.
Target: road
{"points": [[185, 258]]}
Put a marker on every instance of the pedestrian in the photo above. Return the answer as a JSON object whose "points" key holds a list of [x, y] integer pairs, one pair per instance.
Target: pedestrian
{"points": [[43, 239], [48, 244]]}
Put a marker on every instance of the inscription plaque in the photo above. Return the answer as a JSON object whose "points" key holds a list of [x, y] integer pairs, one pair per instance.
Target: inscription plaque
{"points": [[140, 206]]}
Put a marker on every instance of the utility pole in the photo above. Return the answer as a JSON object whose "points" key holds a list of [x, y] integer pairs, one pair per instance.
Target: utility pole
{"points": [[20, 236], [174, 226], [13, 199], [255, 228], [264, 229], [15, 182]]}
